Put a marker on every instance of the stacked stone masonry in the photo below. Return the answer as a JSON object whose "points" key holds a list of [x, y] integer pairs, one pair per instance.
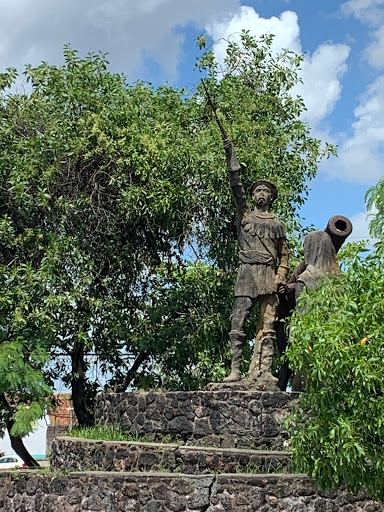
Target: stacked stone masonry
{"points": [[227, 419], [143, 492], [79, 454], [219, 442]]}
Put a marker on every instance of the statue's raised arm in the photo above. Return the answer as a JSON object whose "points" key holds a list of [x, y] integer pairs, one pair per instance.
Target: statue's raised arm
{"points": [[235, 182], [233, 165], [263, 266]]}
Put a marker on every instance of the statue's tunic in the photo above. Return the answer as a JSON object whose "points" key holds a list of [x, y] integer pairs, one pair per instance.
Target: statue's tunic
{"points": [[262, 245], [261, 236]]}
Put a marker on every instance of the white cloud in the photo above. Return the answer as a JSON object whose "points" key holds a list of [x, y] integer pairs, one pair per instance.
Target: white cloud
{"points": [[360, 223], [321, 72], [285, 29], [35, 31], [374, 53], [321, 75], [368, 11], [361, 156]]}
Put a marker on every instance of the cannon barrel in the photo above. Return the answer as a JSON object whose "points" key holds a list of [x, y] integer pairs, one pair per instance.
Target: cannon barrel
{"points": [[338, 228]]}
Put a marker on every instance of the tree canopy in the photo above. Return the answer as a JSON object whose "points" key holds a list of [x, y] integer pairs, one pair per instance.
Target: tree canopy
{"points": [[117, 228]]}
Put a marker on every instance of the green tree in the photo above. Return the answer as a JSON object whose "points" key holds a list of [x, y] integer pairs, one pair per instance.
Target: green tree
{"points": [[336, 342], [115, 198], [185, 326], [95, 197], [24, 390]]}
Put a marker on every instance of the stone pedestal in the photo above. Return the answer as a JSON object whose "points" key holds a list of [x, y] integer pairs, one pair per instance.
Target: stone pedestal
{"points": [[230, 419], [216, 451]]}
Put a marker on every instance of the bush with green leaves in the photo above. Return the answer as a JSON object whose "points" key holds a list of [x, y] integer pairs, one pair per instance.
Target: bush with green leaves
{"points": [[337, 344]]}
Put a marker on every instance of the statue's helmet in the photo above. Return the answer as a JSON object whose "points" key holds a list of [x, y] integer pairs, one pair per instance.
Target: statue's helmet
{"points": [[272, 187]]}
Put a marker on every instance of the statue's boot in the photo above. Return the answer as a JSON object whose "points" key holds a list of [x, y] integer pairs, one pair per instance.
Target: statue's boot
{"points": [[256, 358], [261, 373], [237, 340], [268, 344]]}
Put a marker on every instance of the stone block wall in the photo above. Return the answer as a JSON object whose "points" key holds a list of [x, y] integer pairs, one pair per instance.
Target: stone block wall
{"points": [[86, 454], [141, 492], [234, 426], [228, 419], [53, 431]]}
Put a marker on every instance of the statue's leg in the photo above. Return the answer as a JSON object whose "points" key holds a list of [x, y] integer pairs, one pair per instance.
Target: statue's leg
{"points": [[243, 306], [256, 358], [269, 315], [261, 365]]}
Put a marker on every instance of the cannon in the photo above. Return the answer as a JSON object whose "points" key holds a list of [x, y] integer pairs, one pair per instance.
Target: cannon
{"points": [[338, 229]]}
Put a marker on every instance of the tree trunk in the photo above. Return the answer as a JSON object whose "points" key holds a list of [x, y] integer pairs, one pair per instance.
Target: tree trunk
{"points": [[16, 442], [120, 388], [82, 404]]}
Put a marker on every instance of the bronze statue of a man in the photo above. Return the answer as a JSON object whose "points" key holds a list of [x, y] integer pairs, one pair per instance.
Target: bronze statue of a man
{"points": [[263, 267]]}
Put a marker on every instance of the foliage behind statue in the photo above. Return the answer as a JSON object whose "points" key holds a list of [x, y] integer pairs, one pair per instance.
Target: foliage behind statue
{"points": [[114, 196]]}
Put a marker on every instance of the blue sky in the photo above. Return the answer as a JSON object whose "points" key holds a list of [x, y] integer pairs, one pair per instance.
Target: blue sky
{"points": [[154, 40]]}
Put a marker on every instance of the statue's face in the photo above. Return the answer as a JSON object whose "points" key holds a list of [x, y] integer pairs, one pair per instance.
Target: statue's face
{"points": [[262, 195]]}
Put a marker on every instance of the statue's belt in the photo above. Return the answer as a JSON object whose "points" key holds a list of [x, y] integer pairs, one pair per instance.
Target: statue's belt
{"points": [[256, 257]]}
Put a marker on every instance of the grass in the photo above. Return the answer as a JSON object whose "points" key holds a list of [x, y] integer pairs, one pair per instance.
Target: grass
{"points": [[269, 468], [105, 434]]}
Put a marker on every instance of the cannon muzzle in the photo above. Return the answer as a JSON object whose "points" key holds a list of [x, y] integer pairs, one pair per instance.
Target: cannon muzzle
{"points": [[338, 228]]}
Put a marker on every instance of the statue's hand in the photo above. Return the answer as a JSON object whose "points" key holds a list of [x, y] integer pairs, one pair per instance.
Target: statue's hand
{"points": [[280, 284]]}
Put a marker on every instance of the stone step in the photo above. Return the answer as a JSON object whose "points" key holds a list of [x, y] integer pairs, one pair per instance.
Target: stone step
{"points": [[73, 454], [236, 419], [160, 492]]}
